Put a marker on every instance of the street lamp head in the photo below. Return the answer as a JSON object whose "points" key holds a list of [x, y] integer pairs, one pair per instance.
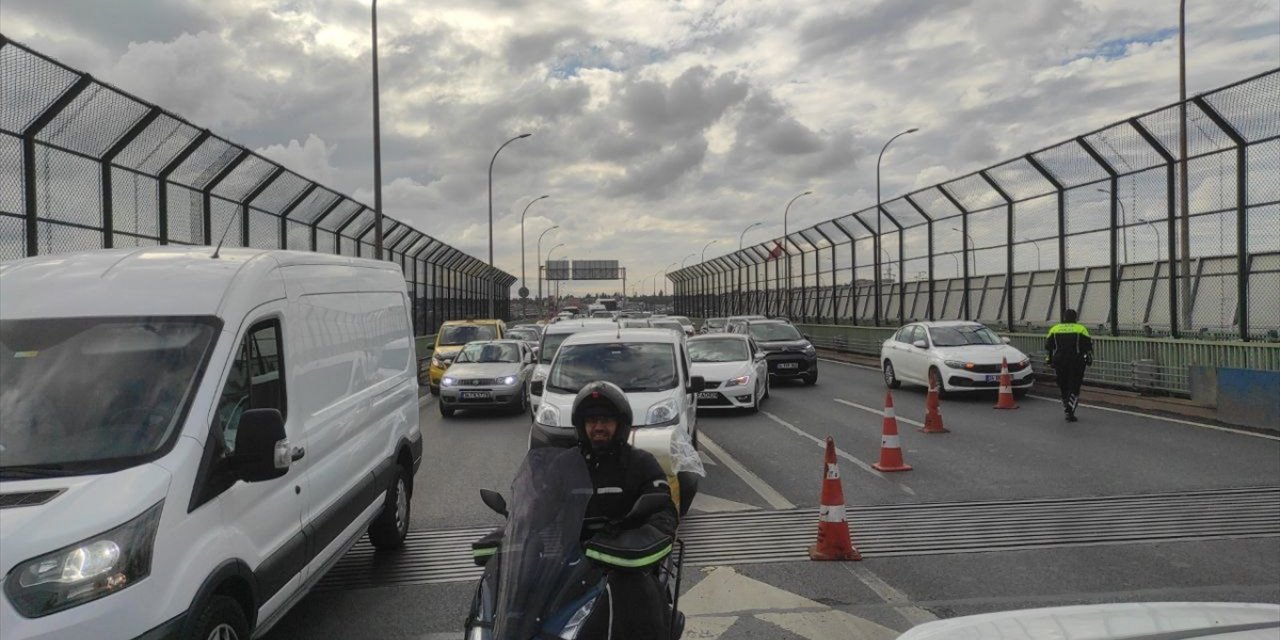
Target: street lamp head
{"points": [[807, 193], [523, 135], [541, 197], [912, 130]]}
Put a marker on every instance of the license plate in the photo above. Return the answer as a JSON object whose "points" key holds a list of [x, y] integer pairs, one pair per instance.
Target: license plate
{"points": [[475, 395], [707, 395], [993, 378], [788, 365]]}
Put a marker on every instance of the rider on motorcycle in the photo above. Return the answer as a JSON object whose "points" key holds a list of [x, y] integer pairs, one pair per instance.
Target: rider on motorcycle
{"points": [[620, 474]]}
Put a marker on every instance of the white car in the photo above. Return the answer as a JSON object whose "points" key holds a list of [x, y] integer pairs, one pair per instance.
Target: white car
{"points": [[954, 355], [734, 369], [552, 337], [191, 441], [650, 365], [687, 324]]}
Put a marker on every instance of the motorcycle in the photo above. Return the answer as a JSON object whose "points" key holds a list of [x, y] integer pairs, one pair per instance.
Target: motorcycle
{"points": [[540, 581]]}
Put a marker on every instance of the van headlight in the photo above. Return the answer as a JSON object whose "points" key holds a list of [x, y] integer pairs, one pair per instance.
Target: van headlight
{"points": [[663, 413], [447, 381], [508, 381], [738, 381], [86, 570], [548, 415]]}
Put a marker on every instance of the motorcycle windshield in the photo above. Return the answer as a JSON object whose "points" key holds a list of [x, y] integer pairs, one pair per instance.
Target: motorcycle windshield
{"points": [[541, 544]]}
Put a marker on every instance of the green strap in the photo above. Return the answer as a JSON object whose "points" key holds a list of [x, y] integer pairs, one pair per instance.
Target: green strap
{"points": [[484, 551], [626, 562]]}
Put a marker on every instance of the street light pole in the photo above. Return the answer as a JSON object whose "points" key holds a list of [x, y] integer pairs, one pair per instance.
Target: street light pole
{"points": [[1155, 229], [1037, 246], [704, 250], [523, 282], [738, 272], [1124, 222], [551, 251], [973, 252], [879, 215], [377, 148], [492, 290], [744, 233], [1185, 227], [785, 241], [686, 258], [544, 233]]}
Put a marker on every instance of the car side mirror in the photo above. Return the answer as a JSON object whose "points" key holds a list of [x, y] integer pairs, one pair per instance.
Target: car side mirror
{"points": [[647, 505], [1004, 339], [697, 384], [760, 355], [920, 344], [494, 501], [806, 337], [262, 450], [535, 387]]}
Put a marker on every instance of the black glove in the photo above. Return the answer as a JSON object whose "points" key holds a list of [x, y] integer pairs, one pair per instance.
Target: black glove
{"points": [[1088, 359]]}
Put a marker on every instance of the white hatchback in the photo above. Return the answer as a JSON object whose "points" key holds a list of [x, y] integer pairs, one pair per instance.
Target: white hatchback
{"points": [[734, 368], [954, 356]]}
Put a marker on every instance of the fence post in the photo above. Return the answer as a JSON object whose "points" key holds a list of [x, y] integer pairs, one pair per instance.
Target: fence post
{"points": [[250, 197], [929, 230], [29, 156], [1242, 221], [902, 280], [293, 204], [108, 193], [1172, 208], [1062, 231], [162, 182], [964, 250], [315, 224], [206, 194], [1008, 246], [1113, 292]]}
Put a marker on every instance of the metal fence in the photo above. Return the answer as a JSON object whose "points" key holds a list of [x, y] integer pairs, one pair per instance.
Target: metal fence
{"points": [[85, 165], [1090, 223]]}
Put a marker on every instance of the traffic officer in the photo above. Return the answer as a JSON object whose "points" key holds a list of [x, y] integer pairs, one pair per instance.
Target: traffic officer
{"points": [[1070, 351]]}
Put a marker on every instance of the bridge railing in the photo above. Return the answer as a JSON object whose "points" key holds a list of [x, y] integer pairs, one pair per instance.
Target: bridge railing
{"points": [[1090, 223], [85, 165]]}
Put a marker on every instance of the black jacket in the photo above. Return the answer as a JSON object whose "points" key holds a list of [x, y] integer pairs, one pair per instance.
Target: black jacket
{"points": [[620, 476]]}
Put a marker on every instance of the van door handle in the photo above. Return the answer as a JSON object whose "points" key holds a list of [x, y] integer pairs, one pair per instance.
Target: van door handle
{"points": [[297, 453]]}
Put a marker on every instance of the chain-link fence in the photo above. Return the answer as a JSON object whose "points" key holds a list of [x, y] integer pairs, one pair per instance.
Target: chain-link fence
{"points": [[84, 165], [1090, 223]]}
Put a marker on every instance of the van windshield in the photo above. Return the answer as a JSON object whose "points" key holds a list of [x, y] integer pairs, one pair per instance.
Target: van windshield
{"points": [[635, 367], [464, 333], [550, 344], [91, 395]]}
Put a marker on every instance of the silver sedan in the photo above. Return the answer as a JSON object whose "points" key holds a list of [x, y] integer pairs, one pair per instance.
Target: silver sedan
{"points": [[488, 374]]}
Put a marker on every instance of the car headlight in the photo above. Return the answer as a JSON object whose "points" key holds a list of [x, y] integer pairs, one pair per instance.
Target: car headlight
{"points": [[663, 413], [447, 381], [1024, 362], [809, 350], [548, 415], [508, 381], [956, 364], [737, 382], [86, 570], [436, 361]]}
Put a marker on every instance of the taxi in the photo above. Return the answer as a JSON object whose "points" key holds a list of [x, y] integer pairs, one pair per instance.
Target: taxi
{"points": [[450, 339]]}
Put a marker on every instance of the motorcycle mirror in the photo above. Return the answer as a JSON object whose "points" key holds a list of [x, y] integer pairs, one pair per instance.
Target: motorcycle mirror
{"points": [[647, 505], [494, 501]]}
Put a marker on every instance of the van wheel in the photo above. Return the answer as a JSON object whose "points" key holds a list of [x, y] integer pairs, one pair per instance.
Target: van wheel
{"points": [[221, 619], [389, 528]]}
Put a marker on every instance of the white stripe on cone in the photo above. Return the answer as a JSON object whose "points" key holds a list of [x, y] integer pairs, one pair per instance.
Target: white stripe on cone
{"points": [[888, 412], [833, 472], [832, 513], [890, 442]]}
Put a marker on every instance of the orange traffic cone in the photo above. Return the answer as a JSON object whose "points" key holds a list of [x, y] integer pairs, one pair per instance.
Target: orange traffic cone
{"points": [[932, 416], [890, 447], [1005, 401], [834, 541]]}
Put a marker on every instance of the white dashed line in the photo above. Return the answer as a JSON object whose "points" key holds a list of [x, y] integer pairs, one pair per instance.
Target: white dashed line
{"points": [[876, 411], [770, 495], [839, 452]]}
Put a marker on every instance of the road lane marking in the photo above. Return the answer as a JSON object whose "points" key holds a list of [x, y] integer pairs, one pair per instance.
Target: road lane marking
{"points": [[770, 495], [901, 603], [840, 452], [706, 503], [850, 364], [877, 411], [1164, 418]]}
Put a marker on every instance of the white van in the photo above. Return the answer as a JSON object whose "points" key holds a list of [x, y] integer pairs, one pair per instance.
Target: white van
{"points": [[190, 442], [552, 336]]}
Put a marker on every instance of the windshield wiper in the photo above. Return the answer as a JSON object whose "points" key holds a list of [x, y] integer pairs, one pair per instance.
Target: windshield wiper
{"points": [[28, 471]]}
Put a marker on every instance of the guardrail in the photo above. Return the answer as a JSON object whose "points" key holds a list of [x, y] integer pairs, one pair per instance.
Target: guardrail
{"points": [[1151, 365]]}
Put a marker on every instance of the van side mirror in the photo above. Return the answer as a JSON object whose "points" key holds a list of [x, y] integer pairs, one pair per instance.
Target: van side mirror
{"points": [[1004, 339], [262, 450], [494, 501], [697, 384], [920, 344], [760, 355], [535, 387]]}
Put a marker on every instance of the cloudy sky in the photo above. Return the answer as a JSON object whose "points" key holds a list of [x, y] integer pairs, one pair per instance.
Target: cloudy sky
{"points": [[657, 126]]}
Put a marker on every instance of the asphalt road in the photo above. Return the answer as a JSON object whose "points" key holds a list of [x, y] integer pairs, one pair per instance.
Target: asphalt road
{"points": [[772, 461]]}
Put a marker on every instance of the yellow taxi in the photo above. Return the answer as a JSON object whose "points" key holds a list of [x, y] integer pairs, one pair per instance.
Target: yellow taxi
{"points": [[450, 340]]}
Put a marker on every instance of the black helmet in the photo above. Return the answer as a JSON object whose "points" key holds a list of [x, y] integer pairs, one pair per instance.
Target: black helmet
{"points": [[602, 398]]}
